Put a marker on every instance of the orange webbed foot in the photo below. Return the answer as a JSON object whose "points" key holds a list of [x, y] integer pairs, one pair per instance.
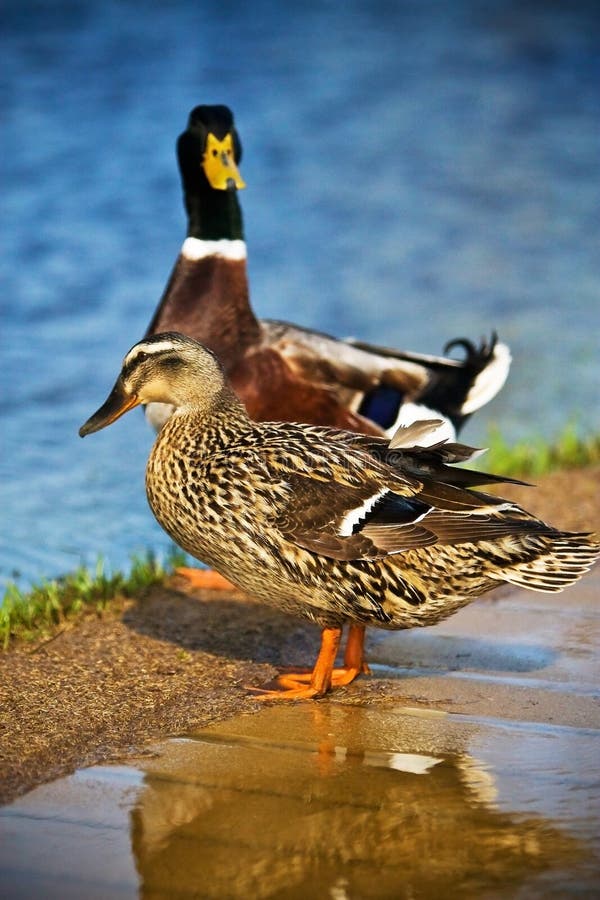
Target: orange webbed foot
{"points": [[285, 691], [302, 686], [307, 685], [207, 579]]}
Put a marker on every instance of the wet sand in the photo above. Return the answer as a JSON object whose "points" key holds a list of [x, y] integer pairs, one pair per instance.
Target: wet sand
{"points": [[173, 661]]}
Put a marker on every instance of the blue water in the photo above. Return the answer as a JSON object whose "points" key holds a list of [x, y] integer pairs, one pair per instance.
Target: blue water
{"points": [[416, 171]]}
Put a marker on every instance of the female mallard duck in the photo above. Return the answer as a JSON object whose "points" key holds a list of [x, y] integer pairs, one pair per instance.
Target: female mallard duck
{"points": [[339, 527], [282, 371]]}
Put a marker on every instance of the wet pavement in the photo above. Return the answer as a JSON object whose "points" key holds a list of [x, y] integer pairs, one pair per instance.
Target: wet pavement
{"points": [[485, 782]]}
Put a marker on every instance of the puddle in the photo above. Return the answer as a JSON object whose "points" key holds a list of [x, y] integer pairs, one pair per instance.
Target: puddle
{"points": [[489, 787], [321, 800]]}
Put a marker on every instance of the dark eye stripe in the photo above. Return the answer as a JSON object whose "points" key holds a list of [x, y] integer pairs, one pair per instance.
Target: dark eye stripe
{"points": [[165, 353], [171, 362]]}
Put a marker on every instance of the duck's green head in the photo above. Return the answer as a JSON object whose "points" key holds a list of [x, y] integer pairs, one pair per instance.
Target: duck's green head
{"points": [[164, 368], [210, 149]]}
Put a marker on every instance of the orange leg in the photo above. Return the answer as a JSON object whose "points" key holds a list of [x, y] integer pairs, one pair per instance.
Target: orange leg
{"points": [[301, 686], [304, 685], [354, 657], [205, 578]]}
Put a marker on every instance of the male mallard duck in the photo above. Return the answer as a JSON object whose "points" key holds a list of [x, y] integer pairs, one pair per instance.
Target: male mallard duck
{"points": [[282, 371], [338, 527]]}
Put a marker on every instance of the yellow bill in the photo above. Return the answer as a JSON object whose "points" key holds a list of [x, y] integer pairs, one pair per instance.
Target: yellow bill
{"points": [[219, 164]]}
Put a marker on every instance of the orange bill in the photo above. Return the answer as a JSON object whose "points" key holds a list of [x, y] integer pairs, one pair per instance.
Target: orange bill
{"points": [[117, 403]]}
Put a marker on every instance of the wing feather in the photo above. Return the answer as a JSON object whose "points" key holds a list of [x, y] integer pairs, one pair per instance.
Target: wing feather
{"points": [[343, 501]]}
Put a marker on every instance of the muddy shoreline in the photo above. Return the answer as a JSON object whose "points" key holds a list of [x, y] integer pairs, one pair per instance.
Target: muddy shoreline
{"points": [[171, 661]]}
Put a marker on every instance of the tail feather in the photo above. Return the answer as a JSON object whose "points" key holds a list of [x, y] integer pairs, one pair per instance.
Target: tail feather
{"points": [[455, 388], [459, 393], [561, 562], [489, 381]]}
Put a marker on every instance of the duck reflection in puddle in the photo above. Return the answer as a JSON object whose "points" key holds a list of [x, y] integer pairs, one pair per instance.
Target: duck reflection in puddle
{"points": [[297, 818]]}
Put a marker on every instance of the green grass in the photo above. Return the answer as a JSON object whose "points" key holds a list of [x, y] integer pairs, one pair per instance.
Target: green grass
{"points": [[49, 605], [538, 457]]}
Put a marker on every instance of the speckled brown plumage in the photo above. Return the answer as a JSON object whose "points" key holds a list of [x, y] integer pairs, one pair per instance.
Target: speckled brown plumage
{"points": [[330, 525]]}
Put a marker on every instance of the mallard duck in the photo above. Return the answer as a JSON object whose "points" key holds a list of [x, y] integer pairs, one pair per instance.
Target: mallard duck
{"points": [[283, 371], [338, 527]]}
